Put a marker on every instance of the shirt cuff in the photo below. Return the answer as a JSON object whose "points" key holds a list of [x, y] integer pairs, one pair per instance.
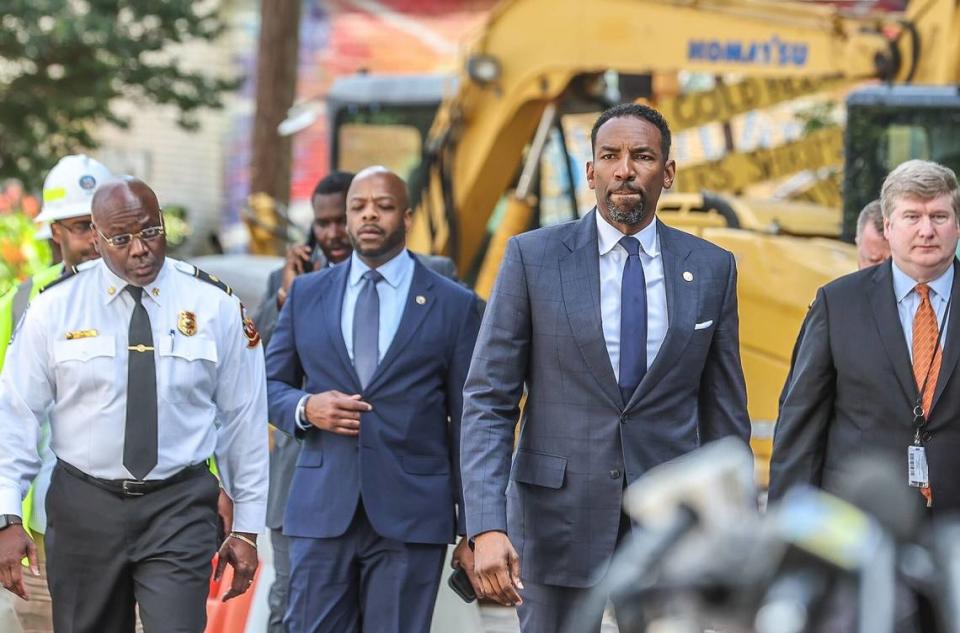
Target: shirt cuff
{"points": [[10, 502], [300, 415], [250, 517]]}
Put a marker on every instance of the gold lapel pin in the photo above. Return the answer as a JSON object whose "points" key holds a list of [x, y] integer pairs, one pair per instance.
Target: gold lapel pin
{"points": [[421, 300], [111, 290], [687, 275], [155, 292]]}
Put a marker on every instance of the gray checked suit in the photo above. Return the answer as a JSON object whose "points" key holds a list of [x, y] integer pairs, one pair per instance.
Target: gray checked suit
{"points": [[559, 500]]}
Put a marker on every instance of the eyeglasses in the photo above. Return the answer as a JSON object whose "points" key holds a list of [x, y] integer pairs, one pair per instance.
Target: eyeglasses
{"points": [[77, 228], [125, 239]]}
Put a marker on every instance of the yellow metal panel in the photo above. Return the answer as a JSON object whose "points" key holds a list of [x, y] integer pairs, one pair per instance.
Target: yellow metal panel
{"points": [[736, 172], [726, 101]]}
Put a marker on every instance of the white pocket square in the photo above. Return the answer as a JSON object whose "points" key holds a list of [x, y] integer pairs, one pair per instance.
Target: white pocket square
{"points": [[704, 325]]}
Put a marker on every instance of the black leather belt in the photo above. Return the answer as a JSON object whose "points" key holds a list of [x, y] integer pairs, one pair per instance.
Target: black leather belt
{"points": [[133, 487]]}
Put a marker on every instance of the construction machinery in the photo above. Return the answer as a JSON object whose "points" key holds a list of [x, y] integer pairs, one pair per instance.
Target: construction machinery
{"points": [[500, 139]]}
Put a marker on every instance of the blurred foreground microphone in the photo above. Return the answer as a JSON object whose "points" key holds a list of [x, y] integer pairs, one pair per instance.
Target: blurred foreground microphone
{"points": [[707, 489], [704, 558], [839, 553]]}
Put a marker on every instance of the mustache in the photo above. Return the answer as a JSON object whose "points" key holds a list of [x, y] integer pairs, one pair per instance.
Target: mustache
{"points": [[625, 188], [370, 227]]}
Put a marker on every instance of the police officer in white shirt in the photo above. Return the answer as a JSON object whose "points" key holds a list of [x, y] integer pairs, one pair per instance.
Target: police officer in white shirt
{"points": [[148, 367]]}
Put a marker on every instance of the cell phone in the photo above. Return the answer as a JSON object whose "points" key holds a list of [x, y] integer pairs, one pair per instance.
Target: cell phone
{"points": [[460, 583], [315, 252]]}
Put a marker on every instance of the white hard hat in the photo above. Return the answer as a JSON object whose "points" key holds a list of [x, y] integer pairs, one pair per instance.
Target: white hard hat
{"points": [[43, 232], [69, 187]]}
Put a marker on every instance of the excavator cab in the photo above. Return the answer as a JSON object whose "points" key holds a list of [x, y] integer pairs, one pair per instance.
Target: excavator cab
{"points": [[887, 125], [383, 119]]}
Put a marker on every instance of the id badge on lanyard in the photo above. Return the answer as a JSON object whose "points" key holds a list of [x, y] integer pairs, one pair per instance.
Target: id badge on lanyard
{"points": [[918, 471]]}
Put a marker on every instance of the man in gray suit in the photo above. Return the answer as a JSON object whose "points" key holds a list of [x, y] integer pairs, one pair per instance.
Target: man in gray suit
{"points": [[326, 245], [625, 334]]}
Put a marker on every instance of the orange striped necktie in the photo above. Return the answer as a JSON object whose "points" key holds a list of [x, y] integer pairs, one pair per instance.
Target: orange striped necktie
{"points": [[927, 353], [926, 358]]}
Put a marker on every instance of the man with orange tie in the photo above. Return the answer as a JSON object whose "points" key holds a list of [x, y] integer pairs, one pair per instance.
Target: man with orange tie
{"points": [[875, 367]]}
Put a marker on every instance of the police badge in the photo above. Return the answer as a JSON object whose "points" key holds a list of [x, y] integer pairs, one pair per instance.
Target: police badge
{"points": [[187, 323]]}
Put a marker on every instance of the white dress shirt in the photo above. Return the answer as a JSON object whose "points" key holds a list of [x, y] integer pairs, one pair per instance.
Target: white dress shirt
{"points": [[613, 259], [393, 290], [211, 385], [908, 301]]}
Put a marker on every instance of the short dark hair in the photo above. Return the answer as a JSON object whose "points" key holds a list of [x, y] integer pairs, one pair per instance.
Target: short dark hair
{"points": [[636, 111], [334, 182], [873, 214]]}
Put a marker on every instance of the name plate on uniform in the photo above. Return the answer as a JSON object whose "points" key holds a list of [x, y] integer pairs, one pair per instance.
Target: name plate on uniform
{"points": [[75, 334]]}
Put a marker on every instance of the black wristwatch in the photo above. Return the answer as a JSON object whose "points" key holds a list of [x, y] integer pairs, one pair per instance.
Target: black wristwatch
{"points": [[6, 520]]}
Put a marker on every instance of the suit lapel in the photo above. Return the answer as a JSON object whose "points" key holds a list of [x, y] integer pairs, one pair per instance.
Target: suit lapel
{"points": [[951, 351], [332, 310], [889, 329], [419, 302], [682, 301], [580, 290]]}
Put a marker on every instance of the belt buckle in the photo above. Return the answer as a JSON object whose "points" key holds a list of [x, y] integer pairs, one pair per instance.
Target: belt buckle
{"points": [[130, 487]]}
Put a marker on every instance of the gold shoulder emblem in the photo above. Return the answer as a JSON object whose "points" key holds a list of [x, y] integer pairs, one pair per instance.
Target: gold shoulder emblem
{"points": [[249, 328]]}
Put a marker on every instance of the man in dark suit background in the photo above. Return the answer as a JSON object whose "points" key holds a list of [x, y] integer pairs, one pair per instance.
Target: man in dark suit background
{"points": [[625, 333], [367, 365], [872, 350], [327, 245]]}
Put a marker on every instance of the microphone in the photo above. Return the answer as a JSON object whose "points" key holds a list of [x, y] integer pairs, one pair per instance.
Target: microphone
{"points": [[848, 540], [716, 482], [710, 487]]}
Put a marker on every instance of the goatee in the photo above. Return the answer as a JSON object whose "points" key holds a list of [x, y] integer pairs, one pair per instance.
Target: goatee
{"points": [[629, 217]]}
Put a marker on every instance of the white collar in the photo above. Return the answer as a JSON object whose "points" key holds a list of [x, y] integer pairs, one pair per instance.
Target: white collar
{"points": [[609, 236], [112, 285]]}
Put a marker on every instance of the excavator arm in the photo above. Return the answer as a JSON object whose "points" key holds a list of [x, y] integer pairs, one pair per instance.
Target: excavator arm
{"points": [[530, 53]]}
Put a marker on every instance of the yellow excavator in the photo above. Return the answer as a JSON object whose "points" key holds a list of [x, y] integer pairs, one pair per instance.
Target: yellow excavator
{"points": [[499, 142]]}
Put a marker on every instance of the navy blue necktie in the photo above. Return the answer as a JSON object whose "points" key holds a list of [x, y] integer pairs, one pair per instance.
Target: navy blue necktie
{"points": [[633, 320], [366, 328]]}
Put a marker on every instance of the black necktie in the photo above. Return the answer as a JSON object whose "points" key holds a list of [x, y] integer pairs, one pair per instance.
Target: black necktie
{"points": [[366, 328], [140, 432], [633, 320]]}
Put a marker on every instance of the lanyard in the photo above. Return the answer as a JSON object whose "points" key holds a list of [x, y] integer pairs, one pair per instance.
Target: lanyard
{"points": [[919, 415]]}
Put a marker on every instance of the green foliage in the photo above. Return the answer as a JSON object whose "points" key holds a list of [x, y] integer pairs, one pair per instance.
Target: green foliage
{"points": [[176, 227], [62, 63], [21, 254]]}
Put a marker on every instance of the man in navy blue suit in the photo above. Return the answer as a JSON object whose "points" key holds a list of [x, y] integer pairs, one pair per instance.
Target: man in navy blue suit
{"points": [[367, 365]]}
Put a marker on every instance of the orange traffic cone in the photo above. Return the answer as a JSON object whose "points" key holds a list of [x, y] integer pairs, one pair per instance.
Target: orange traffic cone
{"points": [[228, 617]]}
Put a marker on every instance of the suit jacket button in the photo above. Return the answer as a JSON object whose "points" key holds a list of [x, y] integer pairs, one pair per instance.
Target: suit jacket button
{"points": [[623, 418], [615, 474]]}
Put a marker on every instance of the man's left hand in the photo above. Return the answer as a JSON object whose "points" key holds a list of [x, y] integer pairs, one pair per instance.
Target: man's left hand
{"points": [[243, 558], [463, 557]]}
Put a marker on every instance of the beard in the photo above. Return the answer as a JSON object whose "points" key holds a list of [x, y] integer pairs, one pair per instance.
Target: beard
{"points": [[389, 243], [631, 216]]}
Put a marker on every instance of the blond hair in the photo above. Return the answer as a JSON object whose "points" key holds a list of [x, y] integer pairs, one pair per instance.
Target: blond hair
{"points": [[921, 179]]}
